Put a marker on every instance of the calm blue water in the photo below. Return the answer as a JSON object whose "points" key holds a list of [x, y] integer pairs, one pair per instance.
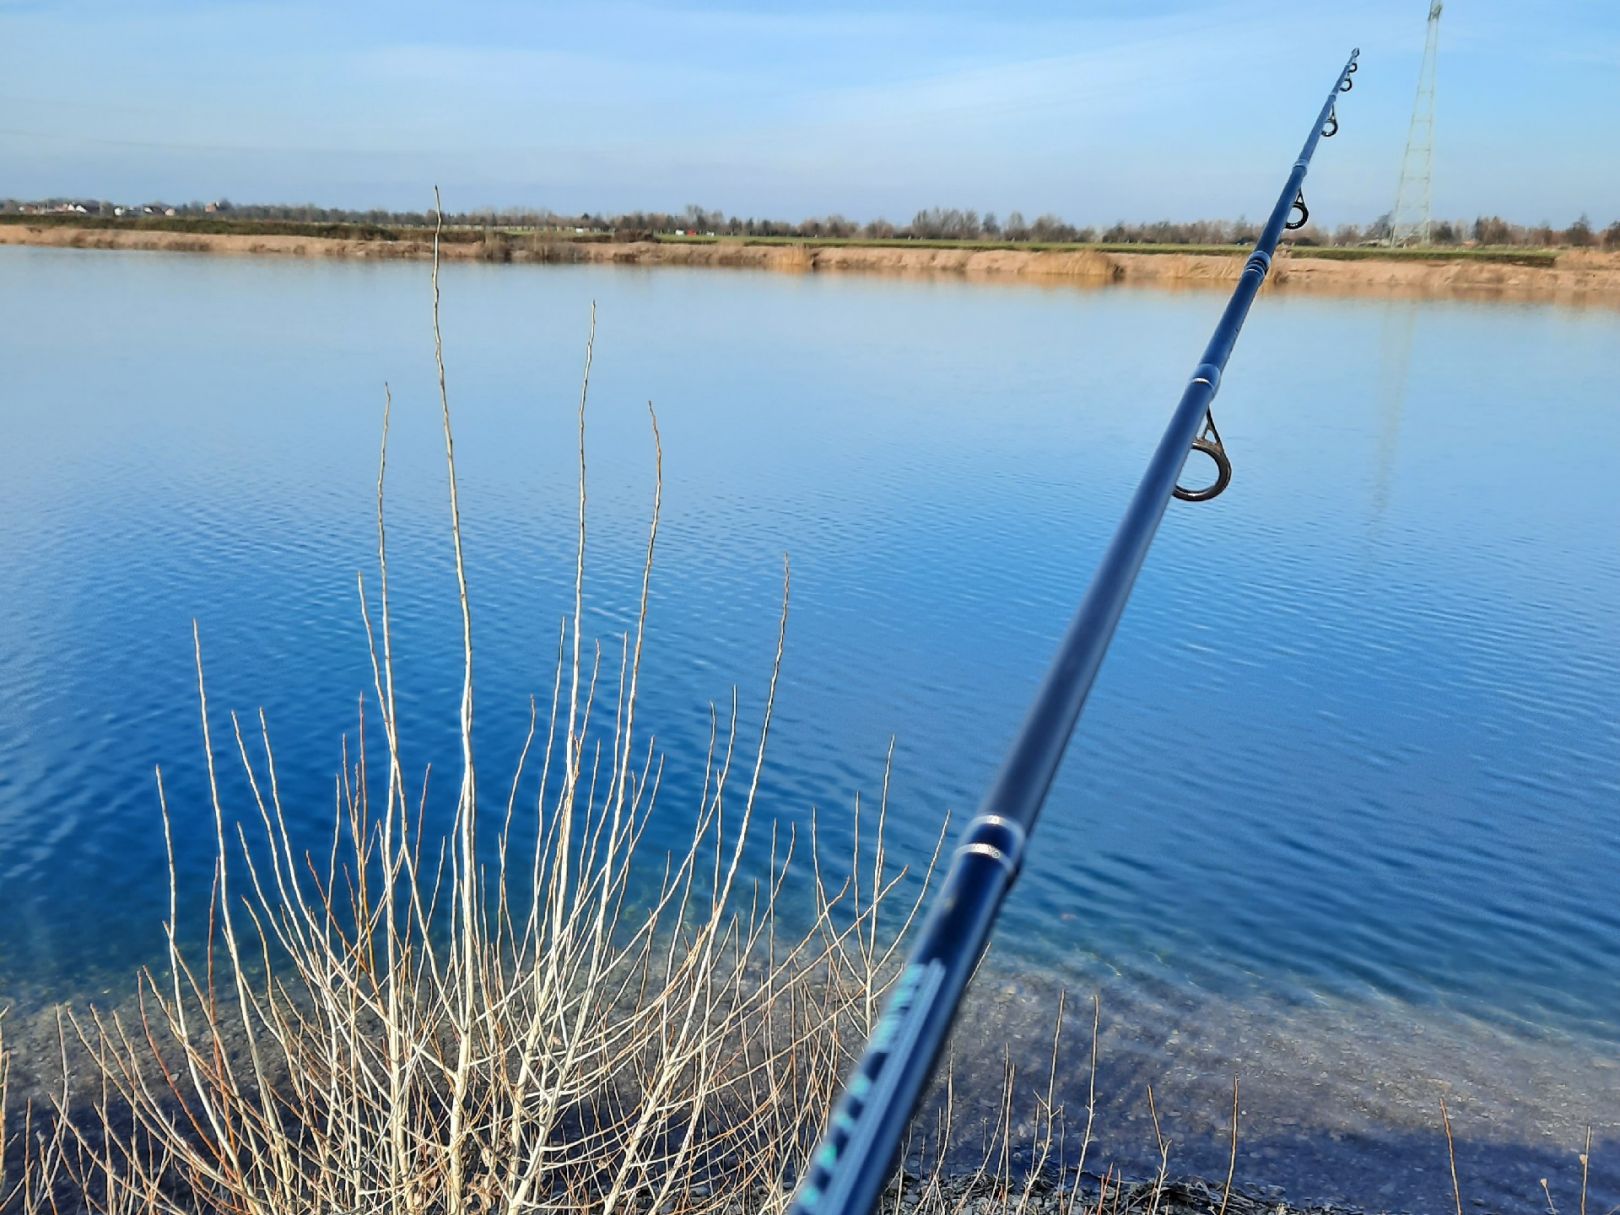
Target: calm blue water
{"points": [[1343, 813]]}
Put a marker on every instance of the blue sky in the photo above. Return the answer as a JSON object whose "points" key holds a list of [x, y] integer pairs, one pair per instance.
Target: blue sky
{"points": [[1147, 110]]}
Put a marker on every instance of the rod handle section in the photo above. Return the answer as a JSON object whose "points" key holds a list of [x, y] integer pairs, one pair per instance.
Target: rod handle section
{"points": [[872, 1115]]}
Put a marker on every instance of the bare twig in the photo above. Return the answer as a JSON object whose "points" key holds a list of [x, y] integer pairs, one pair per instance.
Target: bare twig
{"points": [[1451, 1155], [1231, 1162]]}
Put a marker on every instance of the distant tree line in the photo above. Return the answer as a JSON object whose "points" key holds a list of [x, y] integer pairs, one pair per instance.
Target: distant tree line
{"points": [[933, 224]]}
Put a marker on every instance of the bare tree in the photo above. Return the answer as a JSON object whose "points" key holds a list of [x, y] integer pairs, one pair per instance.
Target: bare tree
{"points": [[1051, 228], [1491, 230], [837, 226]]}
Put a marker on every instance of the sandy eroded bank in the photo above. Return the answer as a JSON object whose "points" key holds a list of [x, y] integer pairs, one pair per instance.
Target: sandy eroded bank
{"points": [[1582, 275]]}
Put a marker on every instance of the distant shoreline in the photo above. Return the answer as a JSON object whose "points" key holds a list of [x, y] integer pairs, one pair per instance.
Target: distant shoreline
{"points": [[1574, 275]]}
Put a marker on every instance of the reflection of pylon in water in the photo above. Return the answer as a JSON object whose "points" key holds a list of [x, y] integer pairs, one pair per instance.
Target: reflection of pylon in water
{"points": [[1395, 357], [1409, 224]]}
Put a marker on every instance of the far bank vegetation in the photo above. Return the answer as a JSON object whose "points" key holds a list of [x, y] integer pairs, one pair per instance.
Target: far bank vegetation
{"points": [[934, 224]]}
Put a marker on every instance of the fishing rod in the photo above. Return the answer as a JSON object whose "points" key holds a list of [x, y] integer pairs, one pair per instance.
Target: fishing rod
{"points": [[857, 1151]]}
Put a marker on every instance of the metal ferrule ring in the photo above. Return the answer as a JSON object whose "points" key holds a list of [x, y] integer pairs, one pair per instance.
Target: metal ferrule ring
{"points": [[997, 837]]}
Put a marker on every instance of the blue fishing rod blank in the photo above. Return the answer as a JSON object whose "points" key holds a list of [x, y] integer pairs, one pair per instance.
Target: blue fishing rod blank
{"points": [[858, 1150]]}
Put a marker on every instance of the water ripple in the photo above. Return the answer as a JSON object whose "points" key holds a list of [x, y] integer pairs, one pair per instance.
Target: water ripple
{"points": [[1355, 753]]}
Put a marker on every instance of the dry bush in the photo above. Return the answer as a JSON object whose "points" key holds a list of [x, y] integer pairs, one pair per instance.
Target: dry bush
{"points": [[30, 1146], [412, 1020], [494, 247], [419, 1022], [554, 250]]}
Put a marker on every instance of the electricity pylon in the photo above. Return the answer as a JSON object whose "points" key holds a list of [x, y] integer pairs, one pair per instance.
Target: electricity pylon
{"points": [[1409, 222]]}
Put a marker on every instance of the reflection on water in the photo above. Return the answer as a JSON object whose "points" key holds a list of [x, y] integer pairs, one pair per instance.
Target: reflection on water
{"points": [[1400, 320], [1340, 817]]}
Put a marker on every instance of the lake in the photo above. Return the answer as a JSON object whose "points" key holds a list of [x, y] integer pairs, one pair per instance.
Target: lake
{"points": [[1342, 816]]}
